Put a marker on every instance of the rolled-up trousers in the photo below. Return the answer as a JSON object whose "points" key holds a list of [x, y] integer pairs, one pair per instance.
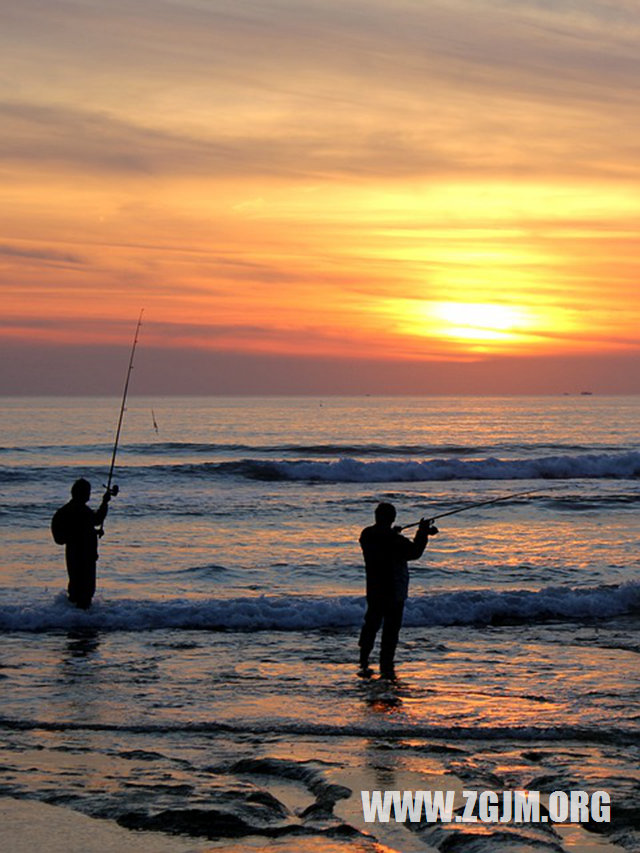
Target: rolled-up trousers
{"points": [[382, 611]]}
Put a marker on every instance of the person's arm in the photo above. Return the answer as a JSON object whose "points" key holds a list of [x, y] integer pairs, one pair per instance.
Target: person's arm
{"points": [[101, 513], [415, 550]]}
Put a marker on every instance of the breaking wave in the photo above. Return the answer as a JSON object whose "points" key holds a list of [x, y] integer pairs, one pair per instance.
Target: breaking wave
{"points": [[293, 613], [350, 470]]}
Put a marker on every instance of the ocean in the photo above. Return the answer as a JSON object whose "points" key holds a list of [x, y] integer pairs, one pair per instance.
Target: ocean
{"points": [[211, 692]]}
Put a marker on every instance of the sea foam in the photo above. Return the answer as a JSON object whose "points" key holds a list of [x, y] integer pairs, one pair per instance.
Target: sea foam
{"points": [[296, 613]]}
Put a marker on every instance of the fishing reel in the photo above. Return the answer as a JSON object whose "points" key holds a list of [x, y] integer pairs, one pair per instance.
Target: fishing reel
{"points": [[112, 491]]}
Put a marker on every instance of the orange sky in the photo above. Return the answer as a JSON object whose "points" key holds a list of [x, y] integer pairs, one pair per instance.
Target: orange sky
{"points": [[321, 186]]}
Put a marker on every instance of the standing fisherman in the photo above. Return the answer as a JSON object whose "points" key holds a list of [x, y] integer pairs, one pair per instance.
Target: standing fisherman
{"points": [[74, 526], [386, 553]]}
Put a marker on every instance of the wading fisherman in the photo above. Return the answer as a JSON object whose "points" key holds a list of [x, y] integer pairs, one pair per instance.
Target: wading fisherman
{"points": [[386, 553], [74, 526]]}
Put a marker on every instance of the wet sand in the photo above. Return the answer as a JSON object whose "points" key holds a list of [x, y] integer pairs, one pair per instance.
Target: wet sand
{"points": [[28, 825]]}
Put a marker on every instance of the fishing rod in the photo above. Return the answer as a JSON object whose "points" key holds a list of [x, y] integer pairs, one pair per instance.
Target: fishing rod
{"points": [[113, 490], [481, 503]]}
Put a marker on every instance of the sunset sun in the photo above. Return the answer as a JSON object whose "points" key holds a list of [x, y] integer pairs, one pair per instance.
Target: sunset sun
{"points": [[456, 329], [482, 321]]}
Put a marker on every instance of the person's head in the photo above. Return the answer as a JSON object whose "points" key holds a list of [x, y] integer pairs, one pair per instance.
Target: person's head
{"points": [[385, 514], [81, 490]]}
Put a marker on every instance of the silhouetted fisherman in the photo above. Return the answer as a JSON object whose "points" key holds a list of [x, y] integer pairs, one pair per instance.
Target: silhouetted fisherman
{"points": [[386, 553], [74, 526]]}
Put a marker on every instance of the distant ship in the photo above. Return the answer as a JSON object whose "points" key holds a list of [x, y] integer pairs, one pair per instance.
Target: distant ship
{"points": [[586, 393]]}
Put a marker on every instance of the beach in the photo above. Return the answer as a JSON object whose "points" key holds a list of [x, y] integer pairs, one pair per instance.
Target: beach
{"points": [[209, 699]]}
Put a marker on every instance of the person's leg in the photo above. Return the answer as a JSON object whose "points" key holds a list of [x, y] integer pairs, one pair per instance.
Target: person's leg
{"points": [[370, 627], [74, 571], [82, 581], [88, 587], [390, 633]]}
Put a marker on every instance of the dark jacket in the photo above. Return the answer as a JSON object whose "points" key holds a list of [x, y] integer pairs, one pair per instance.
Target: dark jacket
{"points": [[386, 553], [75, 526]]}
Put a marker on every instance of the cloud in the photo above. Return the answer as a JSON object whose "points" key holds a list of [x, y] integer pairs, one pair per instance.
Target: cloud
{"points": [[40, 254], [510, 142], [325, 89], [296, 44], [81, 139]]}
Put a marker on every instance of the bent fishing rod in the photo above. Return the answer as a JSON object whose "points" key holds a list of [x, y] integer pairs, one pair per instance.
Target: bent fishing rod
{"points": [[113, 490], [480, 503]]}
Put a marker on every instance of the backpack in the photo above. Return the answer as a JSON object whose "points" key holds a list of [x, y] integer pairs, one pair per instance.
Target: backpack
{"points": [[59, 526]]}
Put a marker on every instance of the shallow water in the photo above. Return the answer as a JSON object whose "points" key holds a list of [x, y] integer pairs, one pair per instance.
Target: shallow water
{"points": [[230, 597]]}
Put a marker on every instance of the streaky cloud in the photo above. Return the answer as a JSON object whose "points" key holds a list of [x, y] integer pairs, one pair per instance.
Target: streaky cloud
{"points": [[40, 254]]}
